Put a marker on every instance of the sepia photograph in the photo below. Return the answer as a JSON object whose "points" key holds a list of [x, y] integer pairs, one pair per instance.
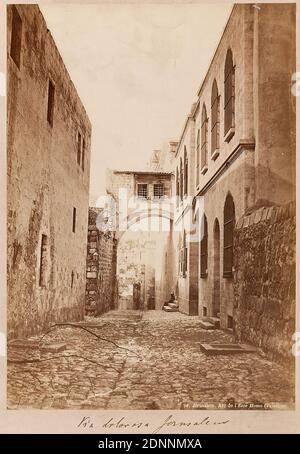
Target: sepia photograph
{"points": [[151, 206]]}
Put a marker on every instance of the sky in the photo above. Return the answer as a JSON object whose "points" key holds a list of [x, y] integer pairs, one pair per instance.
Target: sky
{"points": [[137, 69]]}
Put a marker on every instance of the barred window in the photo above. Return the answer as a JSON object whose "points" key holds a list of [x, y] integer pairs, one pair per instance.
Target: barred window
{"points": [[158, 190], [197, 156], [142, 191], [204, 122], [229, 223], [215, 117], [204, 248], [229, 92], [16, 37], [183, 256], [185, 172]]}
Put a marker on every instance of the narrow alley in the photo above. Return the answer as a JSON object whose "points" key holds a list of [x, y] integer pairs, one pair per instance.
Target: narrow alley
{"points": [[149, 360]]}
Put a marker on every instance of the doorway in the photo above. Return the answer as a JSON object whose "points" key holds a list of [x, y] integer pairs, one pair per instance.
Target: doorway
{"points": [[216, 269]]}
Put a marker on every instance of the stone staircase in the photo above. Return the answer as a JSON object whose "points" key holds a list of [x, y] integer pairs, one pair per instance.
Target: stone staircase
{"points": [[210, 323]]}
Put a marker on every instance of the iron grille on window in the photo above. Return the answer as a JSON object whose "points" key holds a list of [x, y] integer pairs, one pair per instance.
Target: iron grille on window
{"points": [[204, 138], [229, 92], [229, 222], [158, 190], [215, 117], [204, 249], [142, 191]]}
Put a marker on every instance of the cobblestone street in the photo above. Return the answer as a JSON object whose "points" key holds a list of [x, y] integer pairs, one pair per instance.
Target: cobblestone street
{"points": [[153, 362]]}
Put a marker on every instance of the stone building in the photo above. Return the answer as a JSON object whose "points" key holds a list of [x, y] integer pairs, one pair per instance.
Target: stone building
{"points": [[143, 220], [48, 148], [236, 158], [100, 267]]}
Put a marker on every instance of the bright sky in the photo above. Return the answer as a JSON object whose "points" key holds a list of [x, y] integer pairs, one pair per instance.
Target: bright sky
{"points": [[137, 69]]}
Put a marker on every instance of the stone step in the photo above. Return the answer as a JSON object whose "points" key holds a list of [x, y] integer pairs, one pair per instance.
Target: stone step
{"points": [[173, 304], [226, 349], [206, 325], [214, 320], [170, 309]]}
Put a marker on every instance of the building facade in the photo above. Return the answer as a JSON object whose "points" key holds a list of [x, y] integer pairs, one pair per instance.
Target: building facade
{"points": [[235, 156], [101, 291], [141, 202], [48, 160]]}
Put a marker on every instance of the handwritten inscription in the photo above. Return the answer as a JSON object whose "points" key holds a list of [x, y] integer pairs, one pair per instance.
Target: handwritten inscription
{"points": [[87, 422]]}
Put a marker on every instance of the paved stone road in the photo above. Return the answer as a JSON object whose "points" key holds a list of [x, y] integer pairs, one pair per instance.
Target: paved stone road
{"points": [[159, 366]]}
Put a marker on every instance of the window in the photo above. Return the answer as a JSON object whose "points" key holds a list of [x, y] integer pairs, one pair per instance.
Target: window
{"points": [[74, 220], [204, 249], [204, 122], [183, 257], [72, 279], [50, 110], [16, 37], [229, 223], [79, 148], [229, 93], [185, 172], [83, 154], [158, 190], [177, 186], [142, 191], [43, 261], [181, 180], [197, 156], [215, 118]]}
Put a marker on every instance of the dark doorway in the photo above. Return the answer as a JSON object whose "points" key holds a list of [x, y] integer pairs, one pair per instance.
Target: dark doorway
{"points": [[216, 264], [136, 295]]}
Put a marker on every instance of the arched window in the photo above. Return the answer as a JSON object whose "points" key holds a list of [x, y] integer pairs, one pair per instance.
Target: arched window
{"points": [[229, 93], [197, 156], [215, 119], [204, 140], [203, 248], [229, 223], [181, 179], [185, 172], [177, 186]]}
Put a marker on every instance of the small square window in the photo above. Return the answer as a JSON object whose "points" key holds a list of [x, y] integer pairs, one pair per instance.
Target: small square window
{"points": [[158, 191], [142, 191]]}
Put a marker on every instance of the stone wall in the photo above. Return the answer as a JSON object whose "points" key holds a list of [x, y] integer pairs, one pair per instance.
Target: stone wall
{"points": [[101, 268], [264, 279], [45, 183]]}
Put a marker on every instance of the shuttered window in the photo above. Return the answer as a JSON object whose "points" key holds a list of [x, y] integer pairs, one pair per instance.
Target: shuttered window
{"points": [[229, 223], [215, 117], [229, 93], [203, 137]]}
